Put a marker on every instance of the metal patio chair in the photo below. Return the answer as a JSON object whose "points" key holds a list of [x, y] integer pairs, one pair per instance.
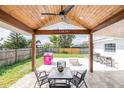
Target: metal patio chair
{"points": [[63, 63], [42, 78], [79, 79]]}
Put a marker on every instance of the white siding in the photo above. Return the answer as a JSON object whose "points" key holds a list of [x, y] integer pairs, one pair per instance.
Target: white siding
{"points": [[118, 56]]}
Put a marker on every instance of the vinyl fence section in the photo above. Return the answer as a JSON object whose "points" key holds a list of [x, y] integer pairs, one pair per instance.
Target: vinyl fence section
{"points": [[8, 57]]}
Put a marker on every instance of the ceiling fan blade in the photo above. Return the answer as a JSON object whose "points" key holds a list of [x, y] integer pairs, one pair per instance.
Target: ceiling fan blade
{"points": [[67, 9], [49, 14]]}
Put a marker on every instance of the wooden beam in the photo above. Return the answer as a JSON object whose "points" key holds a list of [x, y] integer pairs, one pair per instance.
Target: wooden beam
{"points": [[33, 51], [14, 22], [91, 52], [51, 32], [73, 21], [115, 18], [79, 22]]}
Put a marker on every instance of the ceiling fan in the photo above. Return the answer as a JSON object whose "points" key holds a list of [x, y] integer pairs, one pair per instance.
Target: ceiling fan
{"points": [[62, 13]]}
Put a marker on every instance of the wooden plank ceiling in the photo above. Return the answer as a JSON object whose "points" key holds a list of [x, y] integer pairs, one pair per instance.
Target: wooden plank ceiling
{"points": [[88, 16]]}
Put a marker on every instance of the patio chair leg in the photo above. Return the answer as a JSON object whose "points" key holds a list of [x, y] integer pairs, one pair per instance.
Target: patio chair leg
{"points": [[40, 84], [80, 84], [35, 84], [85, 84]]}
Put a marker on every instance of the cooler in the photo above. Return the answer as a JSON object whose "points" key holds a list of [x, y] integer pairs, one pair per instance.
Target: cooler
{"points": [[48, 57]]}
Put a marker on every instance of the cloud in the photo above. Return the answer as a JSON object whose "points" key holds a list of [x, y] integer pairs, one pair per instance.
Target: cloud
{"points": [[4, 33], [79, 39]]}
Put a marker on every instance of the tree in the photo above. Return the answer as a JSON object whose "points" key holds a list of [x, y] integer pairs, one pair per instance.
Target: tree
{"points": [[66, 40], [46, 45], [1, 39], [29, 42], [55, 40], [1, 45], [38, 43], [15, 41], [63, 41], [84, 45]]}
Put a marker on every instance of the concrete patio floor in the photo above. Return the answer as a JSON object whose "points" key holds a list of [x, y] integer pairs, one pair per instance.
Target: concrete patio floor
{"points": [[97, 79], [102, 77], [83, 61]]}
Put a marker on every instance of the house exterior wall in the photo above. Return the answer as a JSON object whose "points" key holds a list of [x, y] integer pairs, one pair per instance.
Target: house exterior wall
{"points": [[118, 55]]}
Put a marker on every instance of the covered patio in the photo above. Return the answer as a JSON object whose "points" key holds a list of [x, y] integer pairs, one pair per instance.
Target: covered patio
{"points": [[98, 79], [89, 18]]}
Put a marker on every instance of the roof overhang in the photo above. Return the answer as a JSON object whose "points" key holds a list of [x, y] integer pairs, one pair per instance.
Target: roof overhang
{"points": [[13, 28], [16, 25], [114, 30]]}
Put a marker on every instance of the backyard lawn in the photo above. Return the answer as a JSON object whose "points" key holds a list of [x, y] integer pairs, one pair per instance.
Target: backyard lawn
{"points": [[10, 74], [70, 55]]}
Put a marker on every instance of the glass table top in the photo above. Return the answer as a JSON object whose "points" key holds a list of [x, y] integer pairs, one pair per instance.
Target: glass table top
{"points": [[55, 74]]}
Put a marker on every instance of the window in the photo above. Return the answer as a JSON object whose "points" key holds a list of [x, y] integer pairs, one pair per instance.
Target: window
{"points": [[111, 47]]}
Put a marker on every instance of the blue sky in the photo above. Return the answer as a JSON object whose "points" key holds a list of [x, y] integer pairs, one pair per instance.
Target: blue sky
{"points": [[4, 33]]}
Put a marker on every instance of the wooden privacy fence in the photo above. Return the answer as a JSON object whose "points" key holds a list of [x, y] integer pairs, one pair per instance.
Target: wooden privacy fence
{"points": [[68, 50], [8, 57]]}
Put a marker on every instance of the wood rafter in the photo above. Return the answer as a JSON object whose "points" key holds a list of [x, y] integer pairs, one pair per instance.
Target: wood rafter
{"points": [[83, 25], [117, 17], [49, 23], [14, 22], [51, 32], [77, 23], [70, 21]]}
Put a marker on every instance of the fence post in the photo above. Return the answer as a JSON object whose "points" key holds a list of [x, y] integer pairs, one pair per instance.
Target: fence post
{"points": [[15, 55], [71, 50], [30, 52], [42, 51], [58, 50]]}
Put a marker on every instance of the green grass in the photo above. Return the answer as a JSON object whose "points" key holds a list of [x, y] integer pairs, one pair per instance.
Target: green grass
{"points": [[10, 74], [70, 55]]}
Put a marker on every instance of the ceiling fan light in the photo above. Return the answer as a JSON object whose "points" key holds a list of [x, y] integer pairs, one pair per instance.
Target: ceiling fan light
{"points": [[62, 16], [42, 17], [81, 17]]}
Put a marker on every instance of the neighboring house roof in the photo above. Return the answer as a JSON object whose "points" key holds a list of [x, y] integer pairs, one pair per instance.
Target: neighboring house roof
{"points": [[77, 46]]}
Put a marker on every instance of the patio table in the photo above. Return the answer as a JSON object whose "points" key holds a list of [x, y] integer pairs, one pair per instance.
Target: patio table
{"points": [[56, 75]]}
